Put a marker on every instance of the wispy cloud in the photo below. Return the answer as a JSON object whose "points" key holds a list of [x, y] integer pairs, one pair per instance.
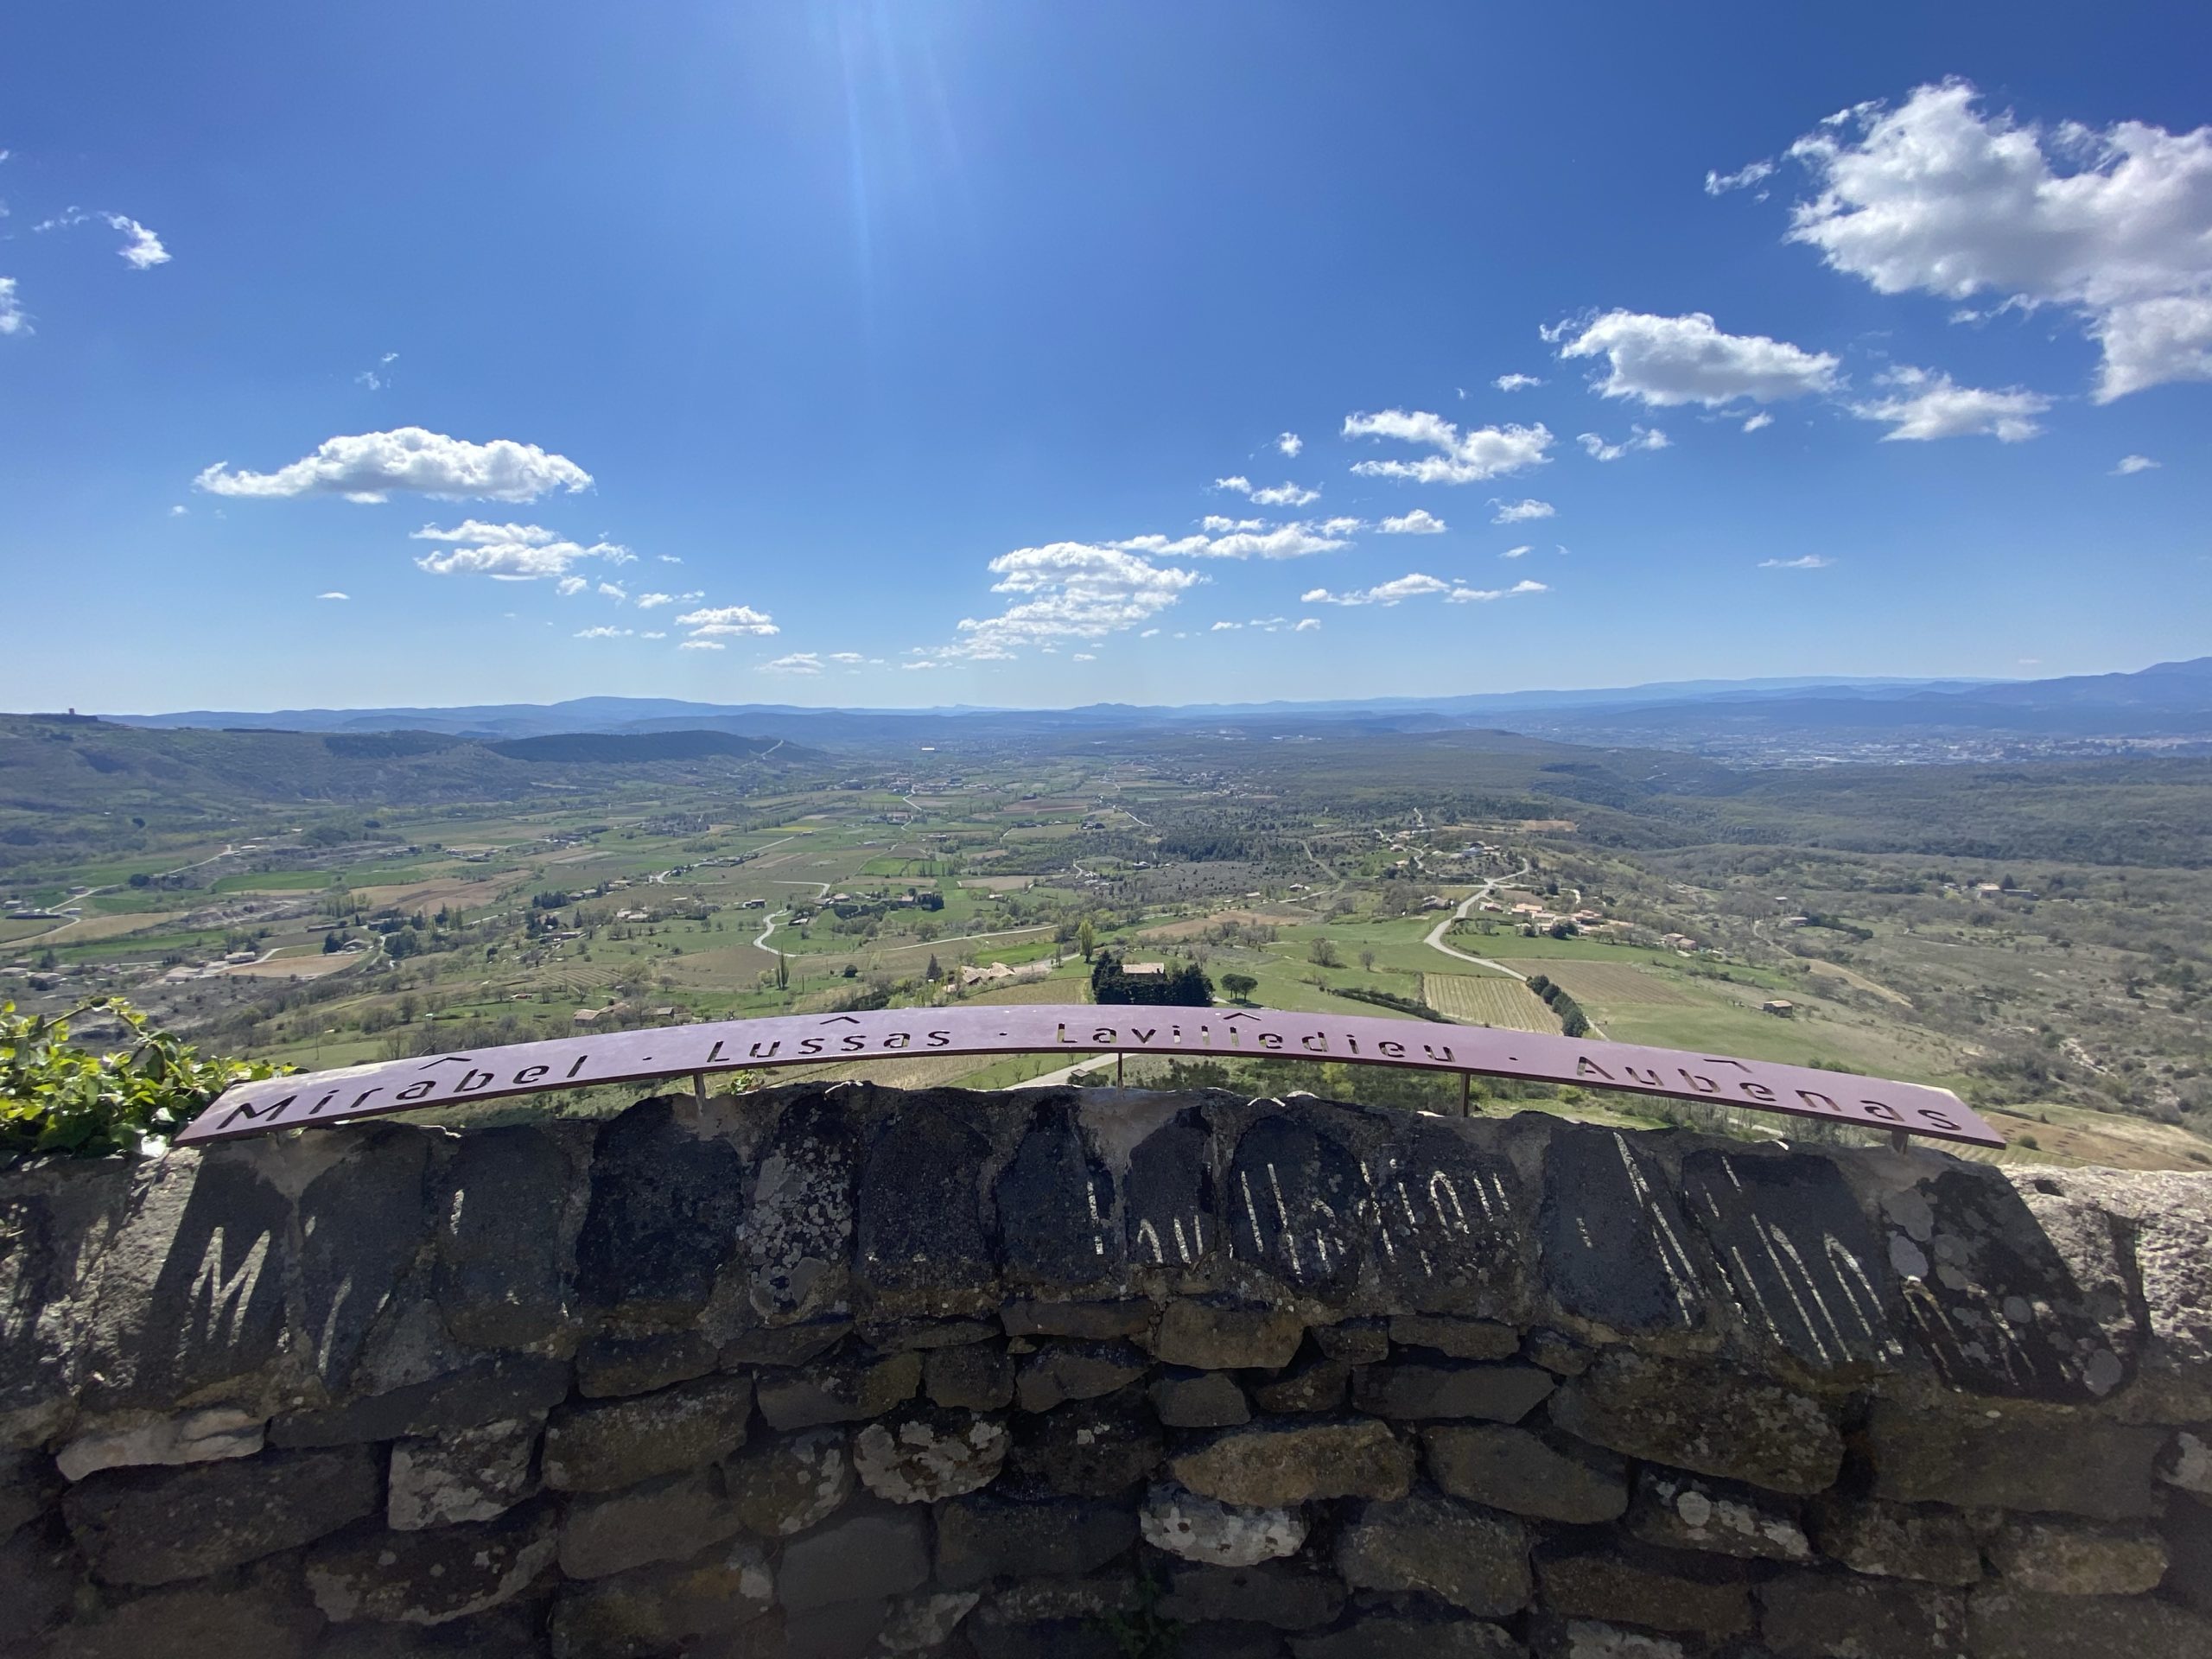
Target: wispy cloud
{"points": [[334, 595], [2134, 464], [1804, 562], [14, 319], [378, 379], [798, 662], [1758, 421], [1639, 439], [702, 645], [1414, 585], [726, 619], [141, 249], [603, 633], [1514, 552], [1743, 178], [511, 552], [1516, 382], [1484, 595], [1516, 512], [1307, 625]]}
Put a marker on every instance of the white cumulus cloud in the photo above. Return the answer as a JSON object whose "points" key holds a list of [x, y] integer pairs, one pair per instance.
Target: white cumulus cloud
{"points": [[2134, 464], [373, 464], [1419, 521], [1664, 361], [511, 552], [799, 662], [1924, 405], [14, 319], [722, 620], [1275, 495], [1307, 625], [1938, 197], [1291, 541], [1290, 443], [1462, 457], [653, 602], [602, 633], [1758, 421], [1515, 382], [702, 645], [1639, 439], [1516, 512]]}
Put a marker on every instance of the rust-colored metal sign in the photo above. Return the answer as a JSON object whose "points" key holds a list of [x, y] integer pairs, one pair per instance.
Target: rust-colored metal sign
{"points": [[1079, 1031]]}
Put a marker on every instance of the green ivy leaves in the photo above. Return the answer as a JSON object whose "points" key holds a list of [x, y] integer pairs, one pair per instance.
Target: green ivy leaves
{"points": [[55, 1098]]}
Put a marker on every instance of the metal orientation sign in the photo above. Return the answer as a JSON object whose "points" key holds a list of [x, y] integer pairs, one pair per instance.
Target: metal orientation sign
{"points": [[301, 1102]]}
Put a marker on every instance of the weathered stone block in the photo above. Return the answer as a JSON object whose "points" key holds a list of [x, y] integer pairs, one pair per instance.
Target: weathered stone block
{"points": [[976, 1378], [1275, 1593], [1704, 1419], [1055, 1203], [59, 1217], [29, 1482], [2053, 1555], [920, 1240], [1100, 1448], [601, 1448], [2013, 1455], [362, 1222], [1200, 1400], [1559, 1353], [1413, 1392], [865, 1558], [1454, 1218], [1089, 1321], [1196, 1528], [1682, 1512], [838, 1391], [1658, 1589], [1393, 1636], [672, 1519], [154, 1526], [491, 1390], [1839, 1616], [2006, 1624], [1514, 1469], [609, 1367], [1171, 1217], [1459, 1338], [1294, 1192], [472, 1474], [2187, 1464], [921, 1624], [500, 1284], [192, 1285], [1801, 1261], [433, 1577], [204, 1436], [1218, 1336], [1897, 1541], [1616, 1249], [844, 1630], [1994, 1302], [666, 1213], [1053, 1375], [38, 1584], [1061, 1638], [786, 1344], [924, 1456], [896, 1335], [1472, 1558], [1590, 1638], [798, 1236], [233, 1622], [1268, 1464], [645, 1614], [1357, 1342], [792, 1483], [1314, 1384], [984, 1536]]}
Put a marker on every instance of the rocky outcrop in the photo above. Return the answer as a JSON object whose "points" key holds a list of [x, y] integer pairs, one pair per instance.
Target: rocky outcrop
{"points": [[832, 1371]]}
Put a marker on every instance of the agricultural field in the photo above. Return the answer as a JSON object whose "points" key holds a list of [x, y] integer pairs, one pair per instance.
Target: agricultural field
{"points": [[1492, 1000], [1343, 879]]}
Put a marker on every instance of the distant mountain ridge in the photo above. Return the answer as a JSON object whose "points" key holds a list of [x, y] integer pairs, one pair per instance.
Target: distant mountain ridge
{"points": [[2166, 699]]}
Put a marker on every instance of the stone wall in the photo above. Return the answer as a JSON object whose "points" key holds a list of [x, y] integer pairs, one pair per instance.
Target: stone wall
{"points": [[842, 1371]]}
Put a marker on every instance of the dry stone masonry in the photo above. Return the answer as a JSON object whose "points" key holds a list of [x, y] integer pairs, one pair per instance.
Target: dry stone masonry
{"points": [[837, 1370]]}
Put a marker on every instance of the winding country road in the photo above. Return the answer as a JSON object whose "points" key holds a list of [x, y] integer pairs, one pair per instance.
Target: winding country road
{"points": [[1434, 941]]}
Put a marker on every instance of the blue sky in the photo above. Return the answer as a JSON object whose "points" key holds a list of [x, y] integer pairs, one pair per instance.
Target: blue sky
{"points": [[905, 349]]}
